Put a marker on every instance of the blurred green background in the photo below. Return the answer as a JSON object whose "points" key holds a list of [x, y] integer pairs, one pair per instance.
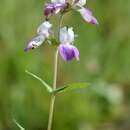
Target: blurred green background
{"points": [[104, 62]]}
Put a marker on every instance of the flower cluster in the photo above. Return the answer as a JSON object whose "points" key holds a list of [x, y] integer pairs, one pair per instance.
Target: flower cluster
{"points": [[66, 46]]}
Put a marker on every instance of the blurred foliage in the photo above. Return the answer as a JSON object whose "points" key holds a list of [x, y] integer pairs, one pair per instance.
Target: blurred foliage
{"points": [[104, 62]]}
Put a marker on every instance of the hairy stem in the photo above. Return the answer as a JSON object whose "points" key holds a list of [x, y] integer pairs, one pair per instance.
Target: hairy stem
{"points": [[52, 102]]}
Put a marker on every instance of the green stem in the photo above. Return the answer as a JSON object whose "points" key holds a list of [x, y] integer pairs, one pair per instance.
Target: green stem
{"points": [[52, 102]]}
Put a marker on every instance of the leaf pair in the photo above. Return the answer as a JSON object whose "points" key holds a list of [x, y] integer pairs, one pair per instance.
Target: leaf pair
{"points": [[69, 87]]}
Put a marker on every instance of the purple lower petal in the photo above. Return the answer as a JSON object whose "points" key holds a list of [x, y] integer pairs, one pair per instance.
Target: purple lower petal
{"points": [[68, 52]]}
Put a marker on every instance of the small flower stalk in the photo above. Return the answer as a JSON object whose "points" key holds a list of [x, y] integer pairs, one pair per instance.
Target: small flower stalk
{"points": [[65, 43]]}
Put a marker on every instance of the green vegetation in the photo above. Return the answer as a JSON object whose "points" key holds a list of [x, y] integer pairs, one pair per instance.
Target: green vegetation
{"points": [[104, 62]]}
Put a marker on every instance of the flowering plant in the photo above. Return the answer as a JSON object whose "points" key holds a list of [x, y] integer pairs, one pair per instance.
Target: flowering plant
{"points": [[64, 44]]}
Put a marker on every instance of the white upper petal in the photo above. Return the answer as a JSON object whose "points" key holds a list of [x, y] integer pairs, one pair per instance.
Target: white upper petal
{"points": [[70, 35], [44, 28], [81, 3], [58, 1], [63, 35], [66, 35]]}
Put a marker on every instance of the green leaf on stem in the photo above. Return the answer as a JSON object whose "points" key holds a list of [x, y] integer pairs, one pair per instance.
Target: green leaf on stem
{"points": [[19, 126], [72, 86], [49, 89]]}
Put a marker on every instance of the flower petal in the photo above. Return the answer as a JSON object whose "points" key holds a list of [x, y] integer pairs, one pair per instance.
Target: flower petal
{"points": [[63, 35], [68, 52], [53, 8], [58, 1], [35, 42], [70, 35], [76, 53], [44, 29], [94, 20], [49, 9], [87, 15], [66, 35], [80, 3]]}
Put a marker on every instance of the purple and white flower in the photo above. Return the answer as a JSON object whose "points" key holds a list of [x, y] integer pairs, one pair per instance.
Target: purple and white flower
{"points": [[54, 7], [88, 16], [85, 13], [43, 31], [35, 43], [66, 48], [59, 5]]}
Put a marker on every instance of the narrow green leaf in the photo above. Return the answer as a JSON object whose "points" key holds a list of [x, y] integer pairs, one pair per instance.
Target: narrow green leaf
{"points": [[70, 87], [49, 89], [19, 126]]}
